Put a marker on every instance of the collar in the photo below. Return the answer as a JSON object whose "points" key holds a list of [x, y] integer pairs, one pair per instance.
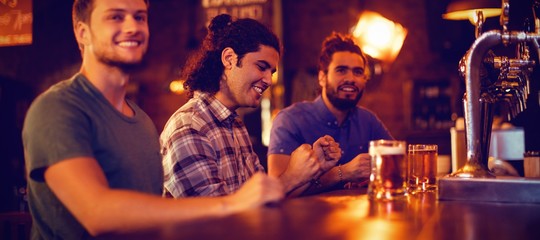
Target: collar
{"points": [[323, 113], [216, 108]]}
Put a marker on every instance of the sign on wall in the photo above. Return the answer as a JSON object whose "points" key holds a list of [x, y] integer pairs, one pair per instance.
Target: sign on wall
{"points": [[260, 10], [15, 22]]}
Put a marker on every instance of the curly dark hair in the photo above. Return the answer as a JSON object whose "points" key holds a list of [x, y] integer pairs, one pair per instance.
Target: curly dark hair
{"points": [[338, 43], [203, 71]]}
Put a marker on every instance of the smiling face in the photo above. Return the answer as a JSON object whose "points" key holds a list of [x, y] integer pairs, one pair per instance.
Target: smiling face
{"points": [[243, 84], [344, 81], [117, 33]]}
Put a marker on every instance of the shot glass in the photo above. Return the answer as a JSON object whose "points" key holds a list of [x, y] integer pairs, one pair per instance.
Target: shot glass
{"points": [[531, 164], [388, 178], [422, 169]]}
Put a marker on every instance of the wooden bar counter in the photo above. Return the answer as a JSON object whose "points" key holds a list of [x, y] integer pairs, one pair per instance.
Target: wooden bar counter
{"points": [[348, 214]]}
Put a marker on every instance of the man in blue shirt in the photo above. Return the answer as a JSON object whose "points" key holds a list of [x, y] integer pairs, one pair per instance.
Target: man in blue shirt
{"points": [[343, 74]]}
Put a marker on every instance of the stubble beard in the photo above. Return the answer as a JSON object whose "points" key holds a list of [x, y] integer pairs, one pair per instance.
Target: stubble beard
{"points": [[116, 61], [107, 55], [343, 104]]}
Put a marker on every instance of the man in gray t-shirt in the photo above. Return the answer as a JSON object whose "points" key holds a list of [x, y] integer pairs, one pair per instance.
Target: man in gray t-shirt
{"points": [[74, 119]]}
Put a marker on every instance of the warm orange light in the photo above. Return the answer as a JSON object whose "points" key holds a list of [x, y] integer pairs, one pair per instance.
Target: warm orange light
{"points": [[176, 87], [472, 14], [379, 37], [275, 77], [468, 9]]}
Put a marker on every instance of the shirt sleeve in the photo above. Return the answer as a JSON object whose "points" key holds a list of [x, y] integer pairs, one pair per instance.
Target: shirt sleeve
{"points": [[284, 136], [190, 165], [55, 129]]}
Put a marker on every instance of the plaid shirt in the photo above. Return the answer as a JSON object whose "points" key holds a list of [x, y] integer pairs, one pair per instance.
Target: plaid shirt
{"points": [[206, 150]]}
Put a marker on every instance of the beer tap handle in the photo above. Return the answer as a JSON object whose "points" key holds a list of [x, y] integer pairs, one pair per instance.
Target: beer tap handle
{"points": [[527, 86], [536, 13], [505, 16], [511, 106], [520, 99]]}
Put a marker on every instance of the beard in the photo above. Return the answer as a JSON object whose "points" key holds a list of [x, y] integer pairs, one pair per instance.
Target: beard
{"points": [[342, 104], [116, 61], [106, 53], [124, 65]]}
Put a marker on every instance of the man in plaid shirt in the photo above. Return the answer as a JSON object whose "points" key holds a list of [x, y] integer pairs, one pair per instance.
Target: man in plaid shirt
{"points": [[205, 146]]}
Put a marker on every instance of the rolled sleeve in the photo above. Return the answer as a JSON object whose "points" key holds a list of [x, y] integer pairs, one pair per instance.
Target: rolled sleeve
{"points": [[284, 138]]}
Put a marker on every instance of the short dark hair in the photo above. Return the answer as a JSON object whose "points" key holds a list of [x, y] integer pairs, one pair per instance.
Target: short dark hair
{"points": [[203, 71], [338, 43], [82, 9]]}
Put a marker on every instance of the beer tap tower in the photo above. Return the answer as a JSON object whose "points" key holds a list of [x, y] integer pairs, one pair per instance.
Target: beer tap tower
{"points": [[511, 88]]}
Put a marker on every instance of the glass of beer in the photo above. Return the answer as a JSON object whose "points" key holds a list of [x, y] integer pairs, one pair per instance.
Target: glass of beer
{"points": [[388, 179], [422, 168]]}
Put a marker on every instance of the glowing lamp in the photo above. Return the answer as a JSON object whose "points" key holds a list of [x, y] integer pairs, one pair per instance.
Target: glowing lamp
{"points": [[379, 37], [468, 9]]}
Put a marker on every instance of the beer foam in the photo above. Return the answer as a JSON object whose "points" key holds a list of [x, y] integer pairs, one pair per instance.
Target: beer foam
{"points": [[386, 150]]}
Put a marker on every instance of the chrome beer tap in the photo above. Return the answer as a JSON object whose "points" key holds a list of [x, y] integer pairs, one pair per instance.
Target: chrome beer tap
{"points": [[510, 87]]}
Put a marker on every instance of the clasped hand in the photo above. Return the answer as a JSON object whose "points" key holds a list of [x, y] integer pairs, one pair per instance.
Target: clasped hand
{"points": [[308, 162], [327, 153]]}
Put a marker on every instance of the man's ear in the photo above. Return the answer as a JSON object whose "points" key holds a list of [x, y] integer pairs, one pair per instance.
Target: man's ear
{"points": [[228, 57], [322, 79], [82, 34]]}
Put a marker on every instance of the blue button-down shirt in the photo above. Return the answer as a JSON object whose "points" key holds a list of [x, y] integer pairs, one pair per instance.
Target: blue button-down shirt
{"points": [[305, 122]]}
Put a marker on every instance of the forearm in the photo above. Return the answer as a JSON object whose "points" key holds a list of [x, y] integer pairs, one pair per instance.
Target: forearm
{"points": [[278, 167], [326, 181], [291, 183], [81, 186], [113, 214], [299, 191]]}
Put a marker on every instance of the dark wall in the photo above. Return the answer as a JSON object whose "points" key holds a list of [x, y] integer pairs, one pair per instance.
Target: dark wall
{"points": [[15, 97], [53, 47], [24, 72]]}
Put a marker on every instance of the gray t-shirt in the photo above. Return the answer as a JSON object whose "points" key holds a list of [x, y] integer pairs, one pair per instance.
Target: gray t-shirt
{"points": [[73, 119]]}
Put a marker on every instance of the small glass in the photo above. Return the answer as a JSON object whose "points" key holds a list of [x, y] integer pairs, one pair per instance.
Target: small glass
{"points": [[531, 164], [422, 170], [388, 179]]}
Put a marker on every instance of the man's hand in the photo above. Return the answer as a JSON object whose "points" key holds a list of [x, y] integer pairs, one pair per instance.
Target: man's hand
{"points": [[327, 152], [302, 167], [358, 169], [259, 190]]}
